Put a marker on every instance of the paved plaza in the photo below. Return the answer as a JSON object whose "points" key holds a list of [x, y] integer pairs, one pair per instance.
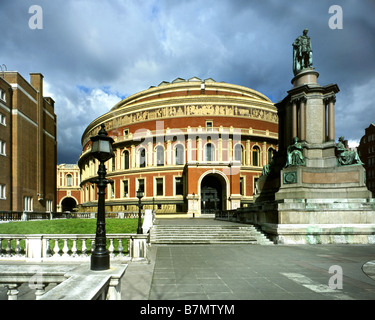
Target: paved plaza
{"points": [[247, 272], [243, 272]]}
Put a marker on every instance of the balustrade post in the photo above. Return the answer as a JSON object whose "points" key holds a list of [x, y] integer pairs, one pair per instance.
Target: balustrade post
{"points": [[111, 248], [120, 248], [84, 248], [74, 248], [40, 289], [56, 248], [65, 248], [12, 291]]}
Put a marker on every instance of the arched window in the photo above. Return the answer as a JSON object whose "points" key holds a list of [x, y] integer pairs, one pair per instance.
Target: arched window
{"points": [[179, 154], [126, 159], [210, 152], [256, 156], [238, 153], [159, 156], [270, 154], [114, 163], [142, 158], [69, 180]]}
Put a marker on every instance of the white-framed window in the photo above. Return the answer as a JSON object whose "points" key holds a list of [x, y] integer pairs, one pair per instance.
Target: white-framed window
{"points": [[242, 186], [2, 191], [3, 120], [69, 180], [179, 154], [179, 186], [125, 188], [239, 153], [2, 148], [28, 204], [141, 185], [111, 190], [3, 95], [209, 125], [210, 152], [256, 156], [159, 186], [49, 205], [142, 157], [126, 160], [160, 156]]}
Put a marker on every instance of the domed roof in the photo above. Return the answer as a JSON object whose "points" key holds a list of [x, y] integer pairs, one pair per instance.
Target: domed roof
{"points": [[189, 87]]}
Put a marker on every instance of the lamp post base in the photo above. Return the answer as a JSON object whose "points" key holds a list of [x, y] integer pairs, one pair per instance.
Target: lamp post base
{"points": [[100, 261]]}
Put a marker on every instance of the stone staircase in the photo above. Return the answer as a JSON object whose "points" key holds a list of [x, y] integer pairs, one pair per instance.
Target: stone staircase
{"points": [[207, 234]]}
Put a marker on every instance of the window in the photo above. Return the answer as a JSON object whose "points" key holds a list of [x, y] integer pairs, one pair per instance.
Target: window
{"points": [[179, 187], [141, 185], [159, 156], [142, 158], [159, 186], [270, 154], [2, 191], [28, 204], [125, 188], [256, 153], [126, 133], [2, 95], [92, 192], [49, 205], [179, 154], [113, 163], [209, 125], [242, 193], [69, 180], [255, 185], [2, 148], [126, 160], [3, 119], [210, 149], [238, 153], [112, 186]]}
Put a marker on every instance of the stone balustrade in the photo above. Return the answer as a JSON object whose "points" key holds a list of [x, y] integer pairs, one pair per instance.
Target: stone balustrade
{"points": [[70, 247], [73, 281]]}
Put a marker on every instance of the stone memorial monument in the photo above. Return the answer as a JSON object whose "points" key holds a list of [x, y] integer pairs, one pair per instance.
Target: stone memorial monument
{"points": [[314, 190]]}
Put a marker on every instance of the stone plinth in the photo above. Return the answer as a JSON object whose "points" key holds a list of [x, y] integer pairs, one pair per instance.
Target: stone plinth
{"points": [[308, 195]]}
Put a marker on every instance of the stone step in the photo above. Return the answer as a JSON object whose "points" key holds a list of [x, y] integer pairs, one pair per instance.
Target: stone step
{"points": [[206, 234]]}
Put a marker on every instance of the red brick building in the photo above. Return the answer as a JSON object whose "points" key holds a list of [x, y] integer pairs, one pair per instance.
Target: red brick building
{"points": [[194, 146], [366, 151], [68, 187], [27, 145]]}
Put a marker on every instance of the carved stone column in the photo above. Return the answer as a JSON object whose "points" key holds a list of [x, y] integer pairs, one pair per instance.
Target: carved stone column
{"points": [[331, 118], [302, 119], [294, 118]]}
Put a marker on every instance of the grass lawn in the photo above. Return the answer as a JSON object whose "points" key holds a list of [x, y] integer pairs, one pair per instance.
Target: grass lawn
{"points": [[68, 226]]}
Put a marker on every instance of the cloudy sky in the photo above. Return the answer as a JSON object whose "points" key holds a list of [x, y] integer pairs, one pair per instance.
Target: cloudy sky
{"points": [[95, 53]]}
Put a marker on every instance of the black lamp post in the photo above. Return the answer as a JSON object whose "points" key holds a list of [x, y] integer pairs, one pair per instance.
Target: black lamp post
{"points": [[102, 150], [140, 195]]}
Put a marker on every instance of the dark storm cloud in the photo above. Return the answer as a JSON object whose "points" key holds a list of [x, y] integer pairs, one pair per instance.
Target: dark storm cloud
{"points": [[94, 53]]}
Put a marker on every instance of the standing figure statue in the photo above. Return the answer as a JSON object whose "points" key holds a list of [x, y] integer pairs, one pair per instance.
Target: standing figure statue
{"points": [[302, 53], [295, 154]]}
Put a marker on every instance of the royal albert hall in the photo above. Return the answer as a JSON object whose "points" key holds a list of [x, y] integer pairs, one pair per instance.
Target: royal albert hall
{"points": [[194, 147]]}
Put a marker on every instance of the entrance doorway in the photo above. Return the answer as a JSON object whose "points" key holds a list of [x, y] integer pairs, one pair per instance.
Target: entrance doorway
{"points": [[68, 204], [212, 194]]}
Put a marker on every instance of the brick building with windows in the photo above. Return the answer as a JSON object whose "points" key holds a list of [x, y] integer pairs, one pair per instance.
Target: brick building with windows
{"points": [[27, 145], [68, 187], [193, 146], [366, 151]]}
